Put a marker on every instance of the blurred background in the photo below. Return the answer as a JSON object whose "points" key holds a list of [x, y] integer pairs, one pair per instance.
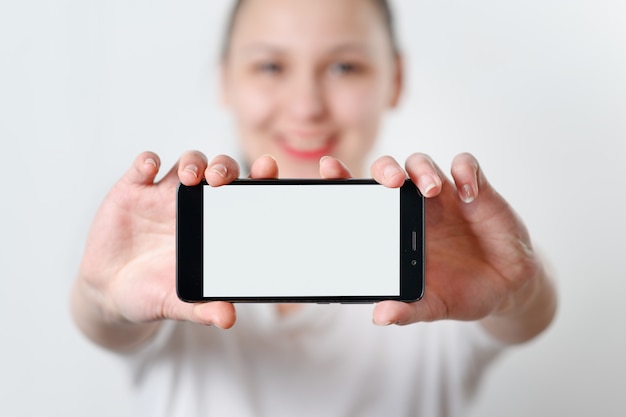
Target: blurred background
{"points": [[535, 89]]}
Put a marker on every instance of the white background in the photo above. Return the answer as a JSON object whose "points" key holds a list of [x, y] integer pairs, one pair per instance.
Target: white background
{"points": [[536, 89]]}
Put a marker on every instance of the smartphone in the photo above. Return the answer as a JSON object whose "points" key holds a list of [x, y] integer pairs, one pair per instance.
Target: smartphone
{"points": [[300, 240]]}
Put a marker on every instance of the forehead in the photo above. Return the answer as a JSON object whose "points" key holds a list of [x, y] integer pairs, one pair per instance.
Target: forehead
{"points": [[308, 23]]}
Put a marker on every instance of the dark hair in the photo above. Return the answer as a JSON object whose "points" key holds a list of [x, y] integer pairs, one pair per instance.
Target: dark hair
{"points": [[383, 6]]}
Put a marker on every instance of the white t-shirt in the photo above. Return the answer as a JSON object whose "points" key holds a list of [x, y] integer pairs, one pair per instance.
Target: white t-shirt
{"points": [[323, 360]]}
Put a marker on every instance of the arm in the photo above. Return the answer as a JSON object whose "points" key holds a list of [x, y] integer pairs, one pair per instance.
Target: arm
{"points": [[480, 263]]}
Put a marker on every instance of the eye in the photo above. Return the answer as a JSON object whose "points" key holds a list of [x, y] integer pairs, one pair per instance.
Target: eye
{"points": [[269, 67], [344, 68]]}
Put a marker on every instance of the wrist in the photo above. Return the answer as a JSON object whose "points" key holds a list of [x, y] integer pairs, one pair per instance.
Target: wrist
{"points": [[102, 324], [527, 311]]}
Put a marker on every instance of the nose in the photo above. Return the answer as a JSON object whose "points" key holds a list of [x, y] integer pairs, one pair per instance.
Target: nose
{"points": [[305, 99]]}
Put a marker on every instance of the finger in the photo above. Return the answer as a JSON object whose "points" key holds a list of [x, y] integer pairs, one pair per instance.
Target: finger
{"points": [[396, 312], [221, 170], [144, 169], [333, 168], [465, 170], [388, 172], [190, 168], [473, 187], [265, 166], [388, 312], [219, 313], [425, 174]]}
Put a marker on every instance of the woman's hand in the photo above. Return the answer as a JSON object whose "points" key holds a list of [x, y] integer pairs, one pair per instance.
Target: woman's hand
{"points": [[126, 283], [480, 263]]}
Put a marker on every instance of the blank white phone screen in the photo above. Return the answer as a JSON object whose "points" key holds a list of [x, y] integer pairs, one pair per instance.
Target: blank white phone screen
{"points": [[301, 241]]}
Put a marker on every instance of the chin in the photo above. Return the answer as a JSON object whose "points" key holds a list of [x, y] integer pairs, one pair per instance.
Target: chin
{"points": [[298, 169]]}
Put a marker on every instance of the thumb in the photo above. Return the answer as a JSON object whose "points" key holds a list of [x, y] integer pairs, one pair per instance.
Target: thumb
{"points": [[217, 313]]}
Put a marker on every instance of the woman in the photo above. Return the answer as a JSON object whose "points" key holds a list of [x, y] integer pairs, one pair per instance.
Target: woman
{"points": [[308, 83]]}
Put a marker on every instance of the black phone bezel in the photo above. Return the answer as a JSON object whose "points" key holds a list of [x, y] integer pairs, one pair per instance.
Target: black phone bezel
{"points": [[189, 244]]}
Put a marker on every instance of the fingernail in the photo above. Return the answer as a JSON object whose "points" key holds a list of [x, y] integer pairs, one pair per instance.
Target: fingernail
{"points": [[220, 170], [193, 169], [467, 193], [390, 171], [150, 161], [427, 183]]}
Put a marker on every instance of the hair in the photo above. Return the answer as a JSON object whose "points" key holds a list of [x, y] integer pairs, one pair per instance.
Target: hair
{"points": [[383, 6]]}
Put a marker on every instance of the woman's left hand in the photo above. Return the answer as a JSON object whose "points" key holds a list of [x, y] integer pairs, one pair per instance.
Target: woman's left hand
{"points": [[480, 263]]}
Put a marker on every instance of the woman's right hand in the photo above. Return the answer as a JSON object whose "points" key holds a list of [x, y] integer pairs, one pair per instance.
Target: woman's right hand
{"points": [[126, 283]]}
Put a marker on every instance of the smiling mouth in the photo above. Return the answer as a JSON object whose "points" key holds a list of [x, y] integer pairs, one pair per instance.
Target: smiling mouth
{"points": [[306, 148]]}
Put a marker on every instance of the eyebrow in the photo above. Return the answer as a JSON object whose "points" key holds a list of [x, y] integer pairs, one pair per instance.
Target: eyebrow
{"points": [[351, 47], [268, 47]]}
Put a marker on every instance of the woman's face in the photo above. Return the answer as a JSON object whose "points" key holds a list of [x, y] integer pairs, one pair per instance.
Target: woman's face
{"points": [[309, 78]]}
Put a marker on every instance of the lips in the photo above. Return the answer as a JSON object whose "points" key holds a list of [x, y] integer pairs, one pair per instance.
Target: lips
{"points": [[306, 145]]}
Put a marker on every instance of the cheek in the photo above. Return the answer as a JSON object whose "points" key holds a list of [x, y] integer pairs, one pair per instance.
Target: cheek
{"points": [[252, 107], [253, 110], [359, 110]]}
